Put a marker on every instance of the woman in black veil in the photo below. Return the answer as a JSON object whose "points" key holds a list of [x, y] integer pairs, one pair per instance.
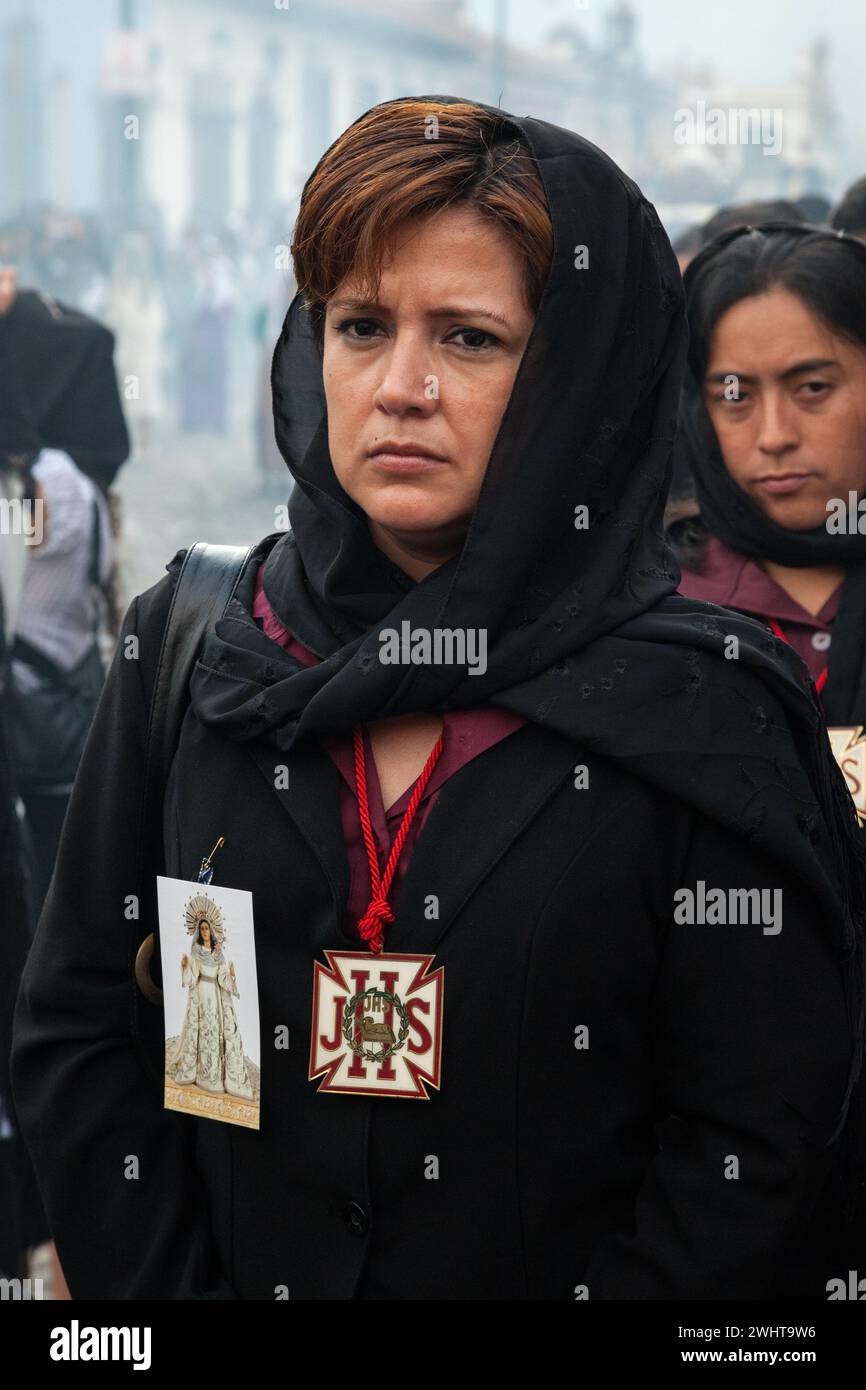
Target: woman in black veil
{"points": [[773, 437], [645, 883]]}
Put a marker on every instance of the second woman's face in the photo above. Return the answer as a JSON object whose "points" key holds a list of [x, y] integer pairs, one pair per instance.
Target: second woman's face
{"points": [[417, 382], [787, 398]]}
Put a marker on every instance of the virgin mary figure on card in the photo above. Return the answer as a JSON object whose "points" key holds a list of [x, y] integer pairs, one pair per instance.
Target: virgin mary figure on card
{"points": [[209, 1050]]}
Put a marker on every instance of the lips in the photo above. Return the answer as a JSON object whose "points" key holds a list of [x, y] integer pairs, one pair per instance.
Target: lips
{"points": [[405, 457], [409, 450], [780, 484]]}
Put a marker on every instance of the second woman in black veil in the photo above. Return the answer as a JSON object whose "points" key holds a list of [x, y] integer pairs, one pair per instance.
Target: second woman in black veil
{"points": [[774, 436]]}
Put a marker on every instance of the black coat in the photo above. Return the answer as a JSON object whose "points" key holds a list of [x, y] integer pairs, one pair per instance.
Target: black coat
{"points": [[558, 1166]]}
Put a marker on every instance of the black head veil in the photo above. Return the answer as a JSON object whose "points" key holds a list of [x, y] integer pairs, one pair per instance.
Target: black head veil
{"points": [[585, 633], [65, 385], [731, 514]]}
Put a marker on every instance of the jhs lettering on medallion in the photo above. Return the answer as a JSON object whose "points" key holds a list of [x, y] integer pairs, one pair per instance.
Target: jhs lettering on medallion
{"points": [[849, 750], [377, 1025]]}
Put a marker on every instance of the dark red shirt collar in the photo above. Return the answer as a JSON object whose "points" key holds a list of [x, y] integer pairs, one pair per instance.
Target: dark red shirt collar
{"points": [[737, 581]]}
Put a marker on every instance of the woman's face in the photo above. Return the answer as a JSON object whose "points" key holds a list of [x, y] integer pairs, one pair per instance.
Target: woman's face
{"points": [[796, 436], [205, 933], [426, 370]]}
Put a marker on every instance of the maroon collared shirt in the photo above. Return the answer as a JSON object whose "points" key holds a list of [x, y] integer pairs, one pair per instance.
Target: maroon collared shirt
{"points": [[737, 581], [465, 735]]}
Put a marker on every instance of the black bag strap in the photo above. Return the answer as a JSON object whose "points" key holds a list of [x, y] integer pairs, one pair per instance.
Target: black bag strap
{"points": [[206, 582], [95, 542], [22, 650]]}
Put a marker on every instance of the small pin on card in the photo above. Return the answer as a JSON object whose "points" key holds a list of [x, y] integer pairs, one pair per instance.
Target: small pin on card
{"points": [[210, 989]]}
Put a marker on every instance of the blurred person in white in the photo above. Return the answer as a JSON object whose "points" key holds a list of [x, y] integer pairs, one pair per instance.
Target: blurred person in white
{"points": [[57, 669], [66, 557], [24, 1230], [62, 439]]}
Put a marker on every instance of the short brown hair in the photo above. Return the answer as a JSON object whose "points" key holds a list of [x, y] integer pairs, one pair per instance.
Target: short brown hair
{"points": [[386, 168]]}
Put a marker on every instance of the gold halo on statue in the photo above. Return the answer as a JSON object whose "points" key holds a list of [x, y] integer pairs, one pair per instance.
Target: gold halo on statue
{"points": [[201, 908]]}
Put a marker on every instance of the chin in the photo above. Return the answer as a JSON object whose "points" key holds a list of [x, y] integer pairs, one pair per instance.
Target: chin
{"points": [[434, 534], [412, 520], [797, 518]]}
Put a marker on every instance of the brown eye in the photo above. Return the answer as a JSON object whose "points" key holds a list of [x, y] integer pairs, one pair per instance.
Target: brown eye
{"points": [[357, 329], [486, 339]]}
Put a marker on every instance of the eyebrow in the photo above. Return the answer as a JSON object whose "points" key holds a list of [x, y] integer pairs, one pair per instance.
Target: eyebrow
{"points": [[447, 312], [812, 364]]}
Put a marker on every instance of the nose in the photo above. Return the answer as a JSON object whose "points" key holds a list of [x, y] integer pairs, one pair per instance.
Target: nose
{"points": [[777, 432], [408, 384]]}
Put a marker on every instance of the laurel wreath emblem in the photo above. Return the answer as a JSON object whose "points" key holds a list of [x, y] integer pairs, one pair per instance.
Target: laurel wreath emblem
{"points": [[349, 1024]]}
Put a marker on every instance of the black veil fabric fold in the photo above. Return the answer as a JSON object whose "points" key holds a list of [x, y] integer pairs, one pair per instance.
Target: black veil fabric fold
{"points": [[730, 514], [585, 632]]}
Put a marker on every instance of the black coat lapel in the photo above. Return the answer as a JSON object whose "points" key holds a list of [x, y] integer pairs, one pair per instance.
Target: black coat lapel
{"points": [[478, 814], [312, 799], [480, 811]]}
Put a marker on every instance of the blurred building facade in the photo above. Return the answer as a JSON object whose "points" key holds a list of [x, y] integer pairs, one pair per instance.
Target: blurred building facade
{"points": [[213, 112], [237, 102]]}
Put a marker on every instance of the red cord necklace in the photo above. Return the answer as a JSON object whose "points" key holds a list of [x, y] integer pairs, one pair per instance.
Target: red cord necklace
{"points": [[370, 926], [377, 1015], [821, 680]]}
